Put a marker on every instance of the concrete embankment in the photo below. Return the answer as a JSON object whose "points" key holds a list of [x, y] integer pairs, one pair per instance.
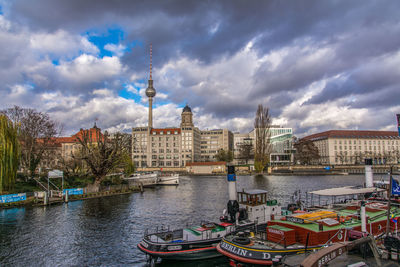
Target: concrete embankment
{"points": [[32, 201]]}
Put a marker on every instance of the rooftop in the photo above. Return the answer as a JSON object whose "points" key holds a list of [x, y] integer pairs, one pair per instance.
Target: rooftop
{"points": [[353, 134]]}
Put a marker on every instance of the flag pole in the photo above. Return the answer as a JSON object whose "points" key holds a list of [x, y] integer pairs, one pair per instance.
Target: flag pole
{"points": [[389, 197]]}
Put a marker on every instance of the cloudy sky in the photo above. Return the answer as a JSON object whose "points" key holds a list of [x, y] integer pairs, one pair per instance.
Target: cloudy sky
{"points": [[317, 65]]}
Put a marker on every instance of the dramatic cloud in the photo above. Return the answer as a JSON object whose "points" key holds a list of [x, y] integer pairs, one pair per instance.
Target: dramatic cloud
{"points": [[317, 65]]}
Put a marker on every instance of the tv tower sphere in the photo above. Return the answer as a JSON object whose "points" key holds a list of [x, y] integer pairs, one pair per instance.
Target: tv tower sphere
{"points": [[150, 91]]}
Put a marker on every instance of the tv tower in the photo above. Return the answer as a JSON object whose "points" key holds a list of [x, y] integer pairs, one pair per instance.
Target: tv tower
{"points": [[150, 91]]}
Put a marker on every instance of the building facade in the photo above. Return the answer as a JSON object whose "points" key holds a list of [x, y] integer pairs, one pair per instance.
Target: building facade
{"points": [[347, 147], [243, 148], [281, 140], [63, 148], [214, 140], [175, 147], [282, 151]]}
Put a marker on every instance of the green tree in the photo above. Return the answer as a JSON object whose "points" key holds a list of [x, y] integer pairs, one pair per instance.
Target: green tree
{"points": [[223, 155], [262, 124], [129, 167], [9, 153]]}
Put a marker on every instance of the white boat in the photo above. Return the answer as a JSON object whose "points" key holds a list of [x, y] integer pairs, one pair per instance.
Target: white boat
{"points": [[168, 179], [143, 178]]}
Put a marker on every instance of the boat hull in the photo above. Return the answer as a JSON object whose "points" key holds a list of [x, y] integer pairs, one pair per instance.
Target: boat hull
{"points": [[168, 180], [187, 250], [257, 256], [146, 180]]}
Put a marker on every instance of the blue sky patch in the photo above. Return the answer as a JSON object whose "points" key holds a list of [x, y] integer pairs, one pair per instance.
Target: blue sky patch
{"points": [[100, 39], [128, 94]]}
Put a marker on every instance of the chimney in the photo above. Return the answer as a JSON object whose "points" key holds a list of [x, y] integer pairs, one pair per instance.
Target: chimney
{"points": [[369, 179]]}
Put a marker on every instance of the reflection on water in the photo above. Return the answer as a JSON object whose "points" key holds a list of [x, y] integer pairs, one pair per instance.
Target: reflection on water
{"points": [[105, 231]]}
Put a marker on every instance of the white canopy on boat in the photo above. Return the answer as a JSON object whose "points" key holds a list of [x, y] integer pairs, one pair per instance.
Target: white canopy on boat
{"points": [[346, 190]]}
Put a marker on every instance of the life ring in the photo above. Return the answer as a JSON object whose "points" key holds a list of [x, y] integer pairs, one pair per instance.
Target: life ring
{"points": [[241, 240]]}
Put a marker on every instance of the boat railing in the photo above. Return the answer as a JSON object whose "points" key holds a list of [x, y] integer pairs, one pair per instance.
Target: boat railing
{"points": [[163, 234], [339, 231]]}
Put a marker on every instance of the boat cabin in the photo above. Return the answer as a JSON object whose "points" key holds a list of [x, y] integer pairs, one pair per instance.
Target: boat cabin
{"points": [[257, 205], [253, 197]]}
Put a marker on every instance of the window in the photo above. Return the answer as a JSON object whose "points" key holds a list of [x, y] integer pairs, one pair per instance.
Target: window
{"points": [[161, 150]]}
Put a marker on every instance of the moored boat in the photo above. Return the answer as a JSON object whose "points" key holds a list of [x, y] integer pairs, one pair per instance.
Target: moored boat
{"points": [[244, 210], [168, 179], [192, 243], [301, 232], [298, 233], [143, 179]]}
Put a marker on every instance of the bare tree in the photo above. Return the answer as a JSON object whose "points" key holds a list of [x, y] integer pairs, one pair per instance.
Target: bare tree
{"points": [[103, 154], [262, 124], [72, 166], [36, 133], [306, 151], [246, 150]]}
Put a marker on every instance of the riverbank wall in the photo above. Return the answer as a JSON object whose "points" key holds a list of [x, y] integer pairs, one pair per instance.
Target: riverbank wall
{"points": [[32, 201], [290, 170]]}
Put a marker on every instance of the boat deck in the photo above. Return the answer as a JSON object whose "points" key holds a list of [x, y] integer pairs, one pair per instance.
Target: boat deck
{"points": [[197, 232], [374, 217]]}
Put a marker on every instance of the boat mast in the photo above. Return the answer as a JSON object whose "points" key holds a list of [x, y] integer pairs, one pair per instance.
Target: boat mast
{"points": [[389, 197]]}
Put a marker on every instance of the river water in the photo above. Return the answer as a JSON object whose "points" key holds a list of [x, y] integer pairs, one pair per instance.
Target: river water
{"points": [[105, 231]]}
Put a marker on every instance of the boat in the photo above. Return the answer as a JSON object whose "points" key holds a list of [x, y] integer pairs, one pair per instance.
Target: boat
{"points": [[168, 179], [301, 231], [304, 232], [192, 243], [245, 210], [144, 179]]}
